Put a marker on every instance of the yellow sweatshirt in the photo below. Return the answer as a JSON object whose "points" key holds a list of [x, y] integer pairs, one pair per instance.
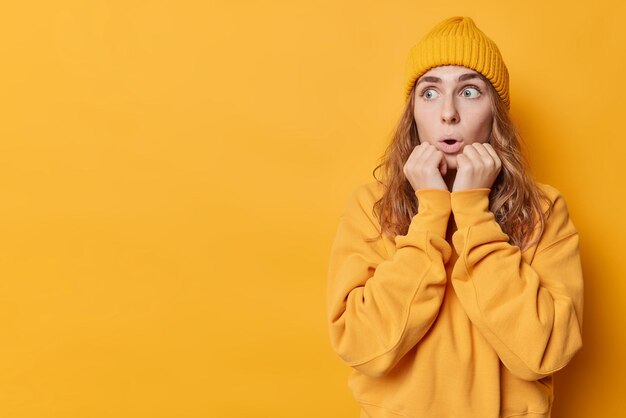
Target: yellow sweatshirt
{"points": [[453, 325]]}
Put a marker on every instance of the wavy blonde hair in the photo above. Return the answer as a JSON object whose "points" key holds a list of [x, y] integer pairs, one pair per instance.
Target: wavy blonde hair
{"points": [[514, 198]]}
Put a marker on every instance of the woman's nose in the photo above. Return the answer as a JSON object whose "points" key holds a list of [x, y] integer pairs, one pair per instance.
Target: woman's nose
{"points": [[449, 112]]}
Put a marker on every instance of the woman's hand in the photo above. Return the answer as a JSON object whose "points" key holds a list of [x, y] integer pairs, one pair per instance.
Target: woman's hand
{"points": [[477, 167], [425, 168]]}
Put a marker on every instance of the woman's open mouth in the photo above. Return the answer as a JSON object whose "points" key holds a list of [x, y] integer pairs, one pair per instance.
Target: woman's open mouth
{"points": [[450, 146]]}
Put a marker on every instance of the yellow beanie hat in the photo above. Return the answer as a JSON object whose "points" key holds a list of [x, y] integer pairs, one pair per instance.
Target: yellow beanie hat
{"points": [[457, 41]]}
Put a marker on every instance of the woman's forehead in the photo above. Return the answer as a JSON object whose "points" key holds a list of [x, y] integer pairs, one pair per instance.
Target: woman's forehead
{"points": [[449, 72], [450, 69]]}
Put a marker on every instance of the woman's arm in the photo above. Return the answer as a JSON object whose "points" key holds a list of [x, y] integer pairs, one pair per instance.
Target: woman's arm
{"points": [[378, 308], [531, 314]]}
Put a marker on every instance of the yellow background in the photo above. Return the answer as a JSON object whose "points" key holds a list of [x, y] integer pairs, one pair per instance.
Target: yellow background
{"points": [[172, 173]]}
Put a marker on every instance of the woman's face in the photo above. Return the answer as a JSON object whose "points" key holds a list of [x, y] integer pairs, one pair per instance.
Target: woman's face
{"points": [[452, 101]]}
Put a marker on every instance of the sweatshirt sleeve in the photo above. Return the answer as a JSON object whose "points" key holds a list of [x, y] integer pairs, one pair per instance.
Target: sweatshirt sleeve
{"points": [[379, 307], [531, 314]]}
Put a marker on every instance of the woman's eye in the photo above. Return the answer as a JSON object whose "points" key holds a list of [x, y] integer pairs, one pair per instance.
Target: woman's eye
{"points": [[470, 94], [467, 92], [428, 93]]}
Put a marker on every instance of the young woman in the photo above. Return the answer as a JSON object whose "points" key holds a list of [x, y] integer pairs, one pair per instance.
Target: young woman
{"points": [[454, 285]]}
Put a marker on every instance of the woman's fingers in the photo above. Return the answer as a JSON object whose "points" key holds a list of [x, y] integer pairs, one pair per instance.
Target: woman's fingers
{"points": [[423, 168], [480, 148], [482, 153], [478, 166], [493, 153], [443, 167], [471, 152]]}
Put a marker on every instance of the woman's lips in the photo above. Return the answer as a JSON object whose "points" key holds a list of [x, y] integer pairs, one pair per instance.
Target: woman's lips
{"points": [[450, 148]]}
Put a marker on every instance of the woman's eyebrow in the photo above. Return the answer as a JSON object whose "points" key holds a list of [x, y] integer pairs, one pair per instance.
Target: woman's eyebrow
{"points": [[462, 77]]}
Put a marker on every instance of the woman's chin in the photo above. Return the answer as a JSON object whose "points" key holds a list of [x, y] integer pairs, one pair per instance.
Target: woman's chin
{"points": [[451, 162]]}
